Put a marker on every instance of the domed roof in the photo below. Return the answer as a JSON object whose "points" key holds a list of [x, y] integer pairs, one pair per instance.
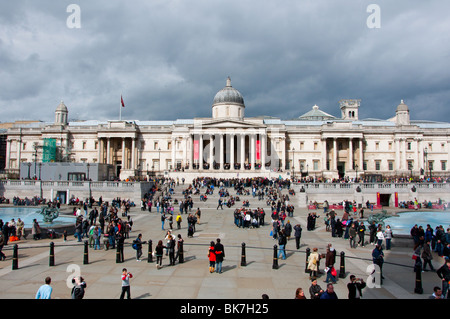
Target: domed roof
{"points": [[402, 107], [228, 95], [61, 107]]}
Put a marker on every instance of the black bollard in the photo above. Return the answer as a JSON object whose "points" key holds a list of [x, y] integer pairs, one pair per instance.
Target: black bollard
{"points": [[308, 252], [86, 253], [150, 252], [180, 252], [15, 260], [243, 260], [342, 270], [51, 261], [275, 257], [418, 269], [118, 259]]}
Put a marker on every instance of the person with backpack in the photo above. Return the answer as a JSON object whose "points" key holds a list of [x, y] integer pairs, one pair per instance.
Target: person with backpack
{"points": [[137, 245]]}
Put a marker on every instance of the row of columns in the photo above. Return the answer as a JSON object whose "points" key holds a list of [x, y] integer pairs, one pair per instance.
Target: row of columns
{"points": [[230, 150], [124, 161]]}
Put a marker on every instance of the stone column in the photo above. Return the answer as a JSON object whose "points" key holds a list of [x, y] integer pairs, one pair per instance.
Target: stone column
{"points": [[123, 153], [174, 142], [350, 153], [133, 153], [263, 151], [334, 154], [324, 154], [242, 150], [191, 152], [108, 150], [211, 151], [221, 151], [283, 153], [232, 151], [361, 156], [397, 154], [252, 151], [8, 154]]}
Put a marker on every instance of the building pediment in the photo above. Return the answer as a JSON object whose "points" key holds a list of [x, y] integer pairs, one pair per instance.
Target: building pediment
{"points": [[231, 123]]}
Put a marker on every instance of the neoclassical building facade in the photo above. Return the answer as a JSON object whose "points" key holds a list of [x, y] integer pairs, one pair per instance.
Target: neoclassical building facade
{"points": [[315, 144]]}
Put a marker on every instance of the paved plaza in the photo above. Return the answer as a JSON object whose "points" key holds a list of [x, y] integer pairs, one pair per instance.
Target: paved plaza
{"points": [[191, 279]]}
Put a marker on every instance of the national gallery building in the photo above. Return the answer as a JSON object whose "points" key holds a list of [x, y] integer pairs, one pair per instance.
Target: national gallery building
{"points": [[228, 144]]}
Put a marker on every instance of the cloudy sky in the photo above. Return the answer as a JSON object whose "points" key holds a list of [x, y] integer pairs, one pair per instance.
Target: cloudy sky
{"points": [[168, 58]]}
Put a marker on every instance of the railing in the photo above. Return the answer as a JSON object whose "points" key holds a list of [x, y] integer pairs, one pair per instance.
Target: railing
{"points": [[318, 187]]}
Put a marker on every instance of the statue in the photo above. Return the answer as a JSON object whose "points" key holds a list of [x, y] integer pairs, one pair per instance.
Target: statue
{"points": [[49, 213], [378, 218]]}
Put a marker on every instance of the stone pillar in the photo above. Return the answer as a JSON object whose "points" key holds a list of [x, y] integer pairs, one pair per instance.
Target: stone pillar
{"points": [[361, 155], [242, 150], [108, 150], [232, 151], [334, 154], [133, 153], [350, 153], [397, 155], [123, 153], [191, 152], [283, 153], [174, 142], [211, 151], [324, 154], [8, 154], [252, 151], [221, 151], [263, 151]]}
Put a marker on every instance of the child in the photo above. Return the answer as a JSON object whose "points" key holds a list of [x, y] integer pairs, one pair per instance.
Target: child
{"points": [[212, 257]]}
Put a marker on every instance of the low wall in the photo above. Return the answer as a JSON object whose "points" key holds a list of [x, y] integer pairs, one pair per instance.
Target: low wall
{"points": [[362, 192], [82, 190]]}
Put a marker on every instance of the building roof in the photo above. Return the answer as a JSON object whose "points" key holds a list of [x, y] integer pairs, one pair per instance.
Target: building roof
{"points": [[316, 114]]}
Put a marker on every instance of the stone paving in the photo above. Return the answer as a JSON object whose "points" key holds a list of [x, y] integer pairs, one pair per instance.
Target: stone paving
{"points": [[191, 279]]}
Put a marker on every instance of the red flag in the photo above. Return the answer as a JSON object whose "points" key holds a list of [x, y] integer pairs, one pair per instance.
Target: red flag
{"points": [[121, 100]]}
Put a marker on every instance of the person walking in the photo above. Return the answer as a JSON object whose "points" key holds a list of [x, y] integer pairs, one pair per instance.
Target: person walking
{"points": [[427, 256], [45, 291], [137, 244], [378, 259], [298, 235], [282, 244], [220, 255], [352, 235], [313, 261], [2, 243], [126, 284], [159, 251]]}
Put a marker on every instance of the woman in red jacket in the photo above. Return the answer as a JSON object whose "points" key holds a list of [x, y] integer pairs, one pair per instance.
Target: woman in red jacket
{"points": [[212, 257]]}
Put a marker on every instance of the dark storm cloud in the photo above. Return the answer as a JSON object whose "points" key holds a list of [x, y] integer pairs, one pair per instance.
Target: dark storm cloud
{"points": [[169, 58]]}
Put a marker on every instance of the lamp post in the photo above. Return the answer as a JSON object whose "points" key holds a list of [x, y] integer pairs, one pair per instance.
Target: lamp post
{"points": [[356, 168]]}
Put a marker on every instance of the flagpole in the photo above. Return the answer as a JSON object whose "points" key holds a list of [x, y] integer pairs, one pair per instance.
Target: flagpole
{"points": [[120, 108]]}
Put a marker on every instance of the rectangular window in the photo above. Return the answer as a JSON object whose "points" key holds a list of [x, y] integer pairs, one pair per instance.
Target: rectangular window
{"points": [[391, 165], [377, 165], [443, 165]]}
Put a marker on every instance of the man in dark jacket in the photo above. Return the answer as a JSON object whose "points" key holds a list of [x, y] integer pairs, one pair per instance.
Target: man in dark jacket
{"points": [[220, 255], [355, 287], [297, 234], [444, 274]]}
